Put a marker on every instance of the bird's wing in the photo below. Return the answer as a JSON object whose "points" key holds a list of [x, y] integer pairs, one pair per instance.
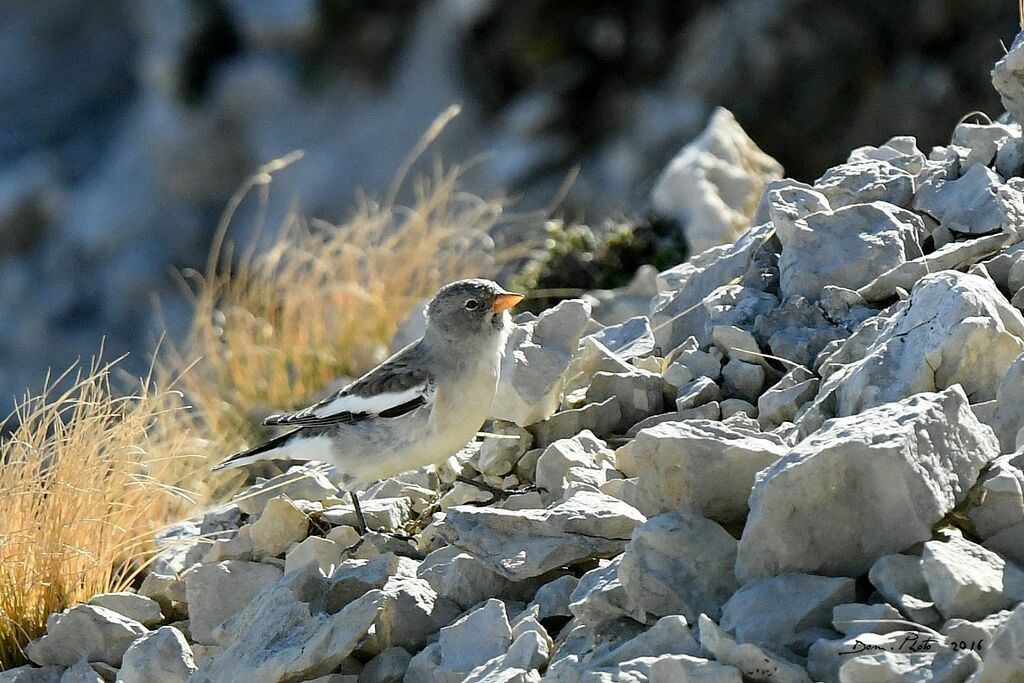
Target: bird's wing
{"points": [[390, 390]]}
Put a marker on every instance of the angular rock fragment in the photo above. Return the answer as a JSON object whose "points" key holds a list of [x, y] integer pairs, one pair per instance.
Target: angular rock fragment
{"points": [[700, 467], [1003, 654], [808, 512], [161, 656], [678, 311], [138, 607], [599, 418], [754, 662], [583, 451], [525, 543], [281, 524], [788, 610], [712, 186], [96, 633], [900, 580], [866, 180], [678, 563], [977, 203], [218, 591], [304, 481], [476, 637], [640, 394], [285, 634], [537, 356], [848, 247], [967, 581]]}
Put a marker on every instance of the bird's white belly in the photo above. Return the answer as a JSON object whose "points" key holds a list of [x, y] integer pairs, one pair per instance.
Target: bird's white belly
{"points": [[425, 436]]}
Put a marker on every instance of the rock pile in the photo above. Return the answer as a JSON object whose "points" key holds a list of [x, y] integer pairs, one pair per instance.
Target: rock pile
{"points": [[805, 463]]}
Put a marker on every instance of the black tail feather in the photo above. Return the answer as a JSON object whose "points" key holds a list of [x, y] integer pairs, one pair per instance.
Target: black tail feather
{"points": [[246, 457]]}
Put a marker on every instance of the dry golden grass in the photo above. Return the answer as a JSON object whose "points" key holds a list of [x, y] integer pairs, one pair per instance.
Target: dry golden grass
{"points": [[85, 481]]}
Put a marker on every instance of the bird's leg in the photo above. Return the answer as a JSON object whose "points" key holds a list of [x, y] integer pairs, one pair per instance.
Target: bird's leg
{"points": [[363, 528], [496, 493], [359, 513]]}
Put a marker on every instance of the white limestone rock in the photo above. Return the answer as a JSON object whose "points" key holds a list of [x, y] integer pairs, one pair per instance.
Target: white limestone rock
{"points": [[499, 454], [583, 450], [712, 186], [1008, 419], [955, 328], [80, 672], [412, 614], [967, 581], [983, 140], [972, 635], [743, 380], [599, 596], [997, 500], [640, 394], [732, 407], [305, 481], [754, 662], [160, 656], [285, 633], [678, 311], [552, 599], [977, 203], [322, 551], [380, 513], [1003, 655], [866, 180], [599, 418], [670, 635], [851, 619], [627, 340], [700, 467], [675, 668], [1009, 543], [144, 610], [281, 524], [918, 458], [848, 247], [218, 591], [788, 610], [460, 577], [96, 633], [943, 666], [900, 580], [387, 667], [536, 358], [678, 563], [697, 393], [783, 400], [31, 674], [476, 638], [901, 151], [237, 546], [524, 543]]}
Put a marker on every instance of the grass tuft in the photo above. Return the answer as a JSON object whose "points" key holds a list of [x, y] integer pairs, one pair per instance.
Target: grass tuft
{"points": [[86, 480]]}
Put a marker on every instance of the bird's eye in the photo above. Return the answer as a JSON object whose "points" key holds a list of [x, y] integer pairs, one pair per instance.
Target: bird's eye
{"points": [[472, 305]]}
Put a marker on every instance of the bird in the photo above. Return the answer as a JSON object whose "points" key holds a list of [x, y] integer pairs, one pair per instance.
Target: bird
{"points": [[417, 408]]}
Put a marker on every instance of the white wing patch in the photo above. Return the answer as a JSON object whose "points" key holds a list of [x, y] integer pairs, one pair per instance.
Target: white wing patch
{"points": [[374, 405]]}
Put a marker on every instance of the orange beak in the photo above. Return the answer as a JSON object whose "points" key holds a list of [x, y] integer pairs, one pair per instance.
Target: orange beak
{"points": [[506, 300]]}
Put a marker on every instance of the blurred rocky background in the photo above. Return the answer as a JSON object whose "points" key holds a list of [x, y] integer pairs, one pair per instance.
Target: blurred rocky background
{"points": [[126, 126]]}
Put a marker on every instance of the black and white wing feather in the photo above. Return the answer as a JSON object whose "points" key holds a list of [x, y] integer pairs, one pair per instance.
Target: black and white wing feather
{"points": [[390, 390]]}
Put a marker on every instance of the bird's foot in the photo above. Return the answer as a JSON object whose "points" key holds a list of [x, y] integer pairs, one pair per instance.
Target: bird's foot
{"points": [[497, 494]]}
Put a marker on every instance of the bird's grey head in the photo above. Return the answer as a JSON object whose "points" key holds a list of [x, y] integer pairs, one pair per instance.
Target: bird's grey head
{"points": [[468, 308]]}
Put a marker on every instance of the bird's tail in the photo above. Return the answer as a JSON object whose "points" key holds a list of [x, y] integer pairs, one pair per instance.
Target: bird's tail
{"points": [[265, 451]]}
